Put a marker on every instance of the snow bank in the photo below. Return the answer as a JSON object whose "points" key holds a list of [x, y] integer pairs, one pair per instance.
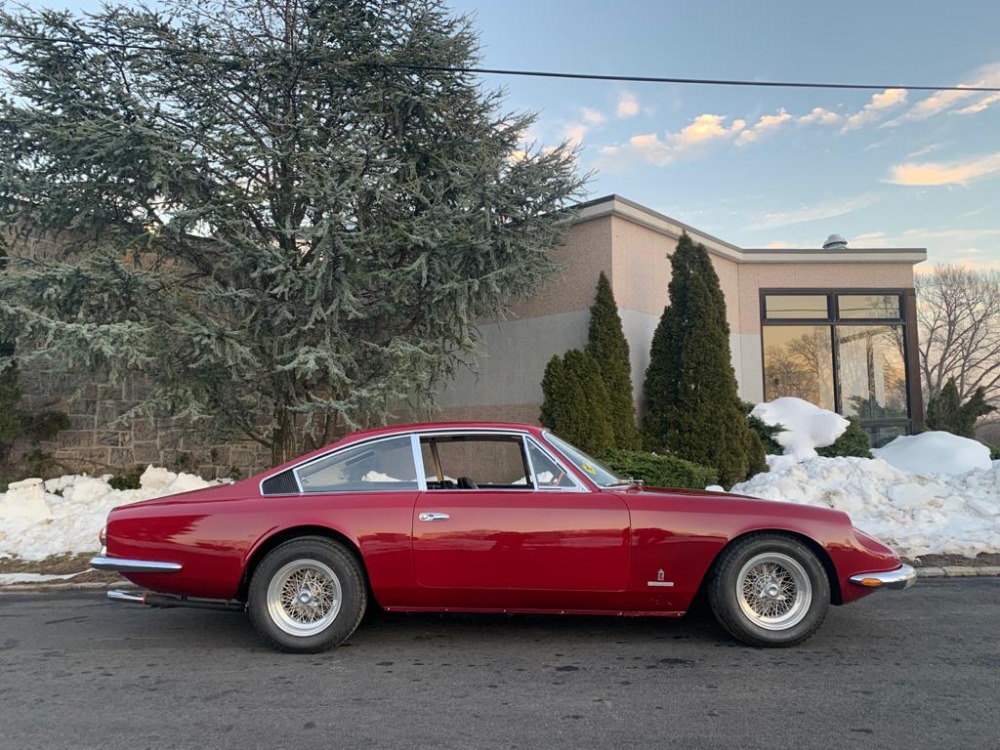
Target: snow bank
{"points": [[936, 453], [807, 427], [64, 515], [916, 513]]}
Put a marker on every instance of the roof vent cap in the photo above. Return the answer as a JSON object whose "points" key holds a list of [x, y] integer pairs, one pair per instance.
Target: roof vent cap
{"points": [[835, 242]]}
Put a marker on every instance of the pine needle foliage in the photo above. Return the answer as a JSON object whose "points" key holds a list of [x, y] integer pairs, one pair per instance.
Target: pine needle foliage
{"points": [[946, 412], [692, 408], [265, 212], [575, 402], [609, 348]]}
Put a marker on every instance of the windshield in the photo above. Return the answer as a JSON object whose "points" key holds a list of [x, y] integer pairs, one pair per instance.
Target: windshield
{"points": [[597, 473]]}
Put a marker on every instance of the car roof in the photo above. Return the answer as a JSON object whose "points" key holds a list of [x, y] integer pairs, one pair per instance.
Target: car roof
{"points": [[404, 429]]}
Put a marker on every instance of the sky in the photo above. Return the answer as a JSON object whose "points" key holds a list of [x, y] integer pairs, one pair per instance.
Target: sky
{"points": [[764, 167]]}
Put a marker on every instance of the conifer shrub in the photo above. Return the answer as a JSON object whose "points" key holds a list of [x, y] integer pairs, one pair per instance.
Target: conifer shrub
{"points": [[854, 441], [609, 348], [575, 402], [692, 408], [657, 470], [946, 412]]}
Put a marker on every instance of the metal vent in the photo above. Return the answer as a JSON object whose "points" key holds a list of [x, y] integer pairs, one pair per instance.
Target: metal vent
{"points": [[280, 484]]}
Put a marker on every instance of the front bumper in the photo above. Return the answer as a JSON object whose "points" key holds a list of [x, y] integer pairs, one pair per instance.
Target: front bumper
{"points": [[125, 565], [901, 578]]}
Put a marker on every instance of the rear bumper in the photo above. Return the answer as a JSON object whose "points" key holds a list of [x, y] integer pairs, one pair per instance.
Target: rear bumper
{"points": [[901, 578], [125, 565]]}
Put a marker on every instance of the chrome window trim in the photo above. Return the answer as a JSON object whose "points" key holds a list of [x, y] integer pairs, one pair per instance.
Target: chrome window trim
{"points": [[357, 444], [530, 477], [580, 487], [415, 436]]}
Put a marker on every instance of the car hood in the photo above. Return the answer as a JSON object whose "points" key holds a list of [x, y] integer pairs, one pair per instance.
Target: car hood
{"points": [[727, 502]]}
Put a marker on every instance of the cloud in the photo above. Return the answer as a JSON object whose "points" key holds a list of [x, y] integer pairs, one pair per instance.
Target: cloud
{"points": [[875, 108], [763, 126], [701, 131], [628, 105], [945, 173], [593, 117], [573, 134], [814, 212], [977, 107], [944, 101], [820, 116]]}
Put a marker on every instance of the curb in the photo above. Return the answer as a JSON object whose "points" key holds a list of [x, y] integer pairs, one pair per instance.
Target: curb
{"points": [[959, 571], [931, 571]]}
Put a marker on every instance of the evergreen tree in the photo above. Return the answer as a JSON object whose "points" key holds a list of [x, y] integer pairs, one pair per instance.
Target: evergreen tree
{"points": [[692, 408], [276, 218], [575, 402], [607, 345], [945, 411]]}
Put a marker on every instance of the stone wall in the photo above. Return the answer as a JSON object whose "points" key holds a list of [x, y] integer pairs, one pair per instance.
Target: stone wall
{"points": [[96, 443]]}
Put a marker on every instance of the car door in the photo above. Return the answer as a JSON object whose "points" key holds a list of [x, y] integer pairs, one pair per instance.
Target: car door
{"points": [[488, 521]]}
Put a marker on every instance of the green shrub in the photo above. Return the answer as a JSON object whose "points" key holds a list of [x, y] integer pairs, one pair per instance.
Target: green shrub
{"points": [[128, 481], [575, 402], [995, 452], [945, 410], [765, 432], [854, 442], [656, 470]]}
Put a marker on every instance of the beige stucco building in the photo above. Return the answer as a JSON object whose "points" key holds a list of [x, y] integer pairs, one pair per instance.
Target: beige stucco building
{"points": [[835, 326]]}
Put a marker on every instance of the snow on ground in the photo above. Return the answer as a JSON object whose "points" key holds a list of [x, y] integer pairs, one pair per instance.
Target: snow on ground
{"points": [[807, 427], [933, 493], [936, 453], [64, 515]]}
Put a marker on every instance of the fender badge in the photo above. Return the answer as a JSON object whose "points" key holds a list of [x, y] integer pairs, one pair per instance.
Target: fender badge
{"points": [[659, 580]]}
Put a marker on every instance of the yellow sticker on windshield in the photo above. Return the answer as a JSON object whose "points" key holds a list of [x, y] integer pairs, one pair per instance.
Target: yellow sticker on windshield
{"points": [[588, 467]]}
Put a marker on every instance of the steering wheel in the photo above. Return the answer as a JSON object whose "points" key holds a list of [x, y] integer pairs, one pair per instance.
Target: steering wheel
{"points": [[465, 483]]}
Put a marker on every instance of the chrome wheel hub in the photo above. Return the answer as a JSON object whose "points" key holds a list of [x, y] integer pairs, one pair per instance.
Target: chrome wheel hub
{"points": [[304, 597], [773, 591]]}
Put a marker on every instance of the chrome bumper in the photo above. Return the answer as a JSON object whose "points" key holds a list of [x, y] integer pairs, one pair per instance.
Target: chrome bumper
{"points": [[125, 565], [901, 578]]}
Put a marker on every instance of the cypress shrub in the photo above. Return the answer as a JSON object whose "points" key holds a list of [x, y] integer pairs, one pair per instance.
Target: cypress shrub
{"points": [[607, 345], [575, 402], [692, 408]]}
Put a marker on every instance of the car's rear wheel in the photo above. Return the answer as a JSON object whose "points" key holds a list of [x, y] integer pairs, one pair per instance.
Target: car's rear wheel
{"points": [[307, 595], [769, 590]]}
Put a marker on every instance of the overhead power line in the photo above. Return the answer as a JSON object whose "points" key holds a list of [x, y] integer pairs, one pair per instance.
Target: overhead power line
{"points": [[558, 74]]}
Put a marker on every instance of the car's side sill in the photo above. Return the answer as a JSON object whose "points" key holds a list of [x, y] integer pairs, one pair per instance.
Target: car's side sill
{"points": [[539, 611]]}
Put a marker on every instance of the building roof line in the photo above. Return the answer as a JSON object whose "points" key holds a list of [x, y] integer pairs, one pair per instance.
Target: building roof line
{"points": [[616, 205]]}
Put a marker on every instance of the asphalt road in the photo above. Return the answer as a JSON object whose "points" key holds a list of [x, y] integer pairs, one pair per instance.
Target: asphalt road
{"points": [[917, 669]]}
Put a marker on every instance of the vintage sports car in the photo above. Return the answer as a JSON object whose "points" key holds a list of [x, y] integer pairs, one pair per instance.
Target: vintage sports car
{"points": [[485, 517]]}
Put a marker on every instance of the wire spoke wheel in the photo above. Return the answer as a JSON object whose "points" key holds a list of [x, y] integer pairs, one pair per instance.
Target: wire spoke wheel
{"points": [[304, 597], [773, 591]]}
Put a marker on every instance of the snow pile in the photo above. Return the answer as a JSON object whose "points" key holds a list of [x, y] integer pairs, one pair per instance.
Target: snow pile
{"points": [[915, 513], [64, 515], [807, 427], [936, 453]]}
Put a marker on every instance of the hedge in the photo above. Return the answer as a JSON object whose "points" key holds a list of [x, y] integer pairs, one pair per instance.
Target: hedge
{"points": [[656, 470]]}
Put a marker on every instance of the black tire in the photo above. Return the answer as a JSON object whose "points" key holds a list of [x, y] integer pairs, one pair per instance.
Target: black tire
{"points": [[769, 590], [332, 584]]}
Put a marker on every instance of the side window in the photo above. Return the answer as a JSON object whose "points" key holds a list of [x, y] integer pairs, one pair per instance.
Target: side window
{"points": [[380, 466], [474, 462], [548, 474]]}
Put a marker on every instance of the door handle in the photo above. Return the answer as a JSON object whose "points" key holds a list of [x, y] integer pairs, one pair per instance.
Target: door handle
{"points": [[433, 517]]}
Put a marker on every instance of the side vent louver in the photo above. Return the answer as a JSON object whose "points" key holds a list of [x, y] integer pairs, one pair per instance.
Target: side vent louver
{"points": [[280, 484]]}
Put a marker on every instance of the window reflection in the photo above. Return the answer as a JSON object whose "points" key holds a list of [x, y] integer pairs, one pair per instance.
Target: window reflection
{"points": [[868, 306], [871, 371], [798, 361], [795, 306]]}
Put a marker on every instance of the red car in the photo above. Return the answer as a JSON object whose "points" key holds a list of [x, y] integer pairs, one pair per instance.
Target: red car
{"points": [[485, 517]]}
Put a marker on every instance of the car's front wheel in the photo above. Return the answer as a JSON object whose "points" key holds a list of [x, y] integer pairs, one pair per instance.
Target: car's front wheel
{"points": [[769, 590], [307, 595]]}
